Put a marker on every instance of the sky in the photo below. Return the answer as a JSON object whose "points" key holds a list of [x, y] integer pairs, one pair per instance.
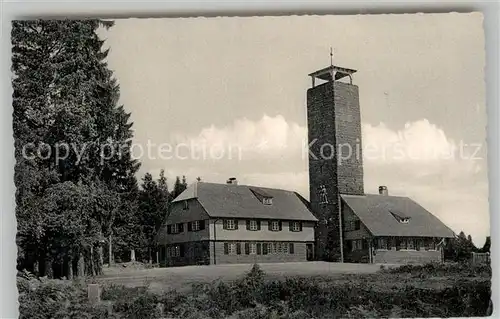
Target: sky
{"points": [[226, 97]]}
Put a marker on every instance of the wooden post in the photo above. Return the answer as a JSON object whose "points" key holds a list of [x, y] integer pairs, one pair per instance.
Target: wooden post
{"points": [[132, 255]]}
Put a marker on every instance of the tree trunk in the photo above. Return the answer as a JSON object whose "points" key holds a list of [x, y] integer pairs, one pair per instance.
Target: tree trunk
{"points": [[81, 266], [70, 267], [132, 255], [49, 270], [92, 265], [110, 247], [100, 251], [36, 268]]}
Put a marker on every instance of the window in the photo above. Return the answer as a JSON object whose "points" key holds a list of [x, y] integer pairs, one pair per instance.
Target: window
{"points": [[273, 247], [411, 244], [357, 244], [174, 251], [295, 226], [230, 224], [232, 248], [253, 248], [382, 243], [175, 228], [400, 217], [357, 224], [285, 248], [432, 245], [275, 225], [186, 205], [267, 201], [291, 248], [253, 225], [195, 226], [280, 248], [403, 244]]}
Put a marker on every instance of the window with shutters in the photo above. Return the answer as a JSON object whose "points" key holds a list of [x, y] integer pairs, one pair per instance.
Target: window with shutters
{"points": [[275, 225], [230, 224], [195, 226], [295, 226], [253, 225], [174, 228], [253, 248]]}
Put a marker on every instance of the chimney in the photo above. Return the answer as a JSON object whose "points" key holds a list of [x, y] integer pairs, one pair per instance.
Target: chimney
{"points": [[382, 190], [232, 181]]}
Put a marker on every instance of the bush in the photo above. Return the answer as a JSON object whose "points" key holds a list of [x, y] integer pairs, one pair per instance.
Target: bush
{"points": [[463, 269], [253, 297]]}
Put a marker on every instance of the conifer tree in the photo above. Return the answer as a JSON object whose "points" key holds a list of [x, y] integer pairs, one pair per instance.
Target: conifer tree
{"points": [[65, 103]]}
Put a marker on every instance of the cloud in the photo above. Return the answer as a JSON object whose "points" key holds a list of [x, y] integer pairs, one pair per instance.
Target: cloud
{"points": [[418, 160], [272, 137]]}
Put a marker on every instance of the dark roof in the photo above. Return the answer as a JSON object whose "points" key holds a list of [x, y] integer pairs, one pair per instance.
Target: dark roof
{"points": [[238, 201], [376, 213]]}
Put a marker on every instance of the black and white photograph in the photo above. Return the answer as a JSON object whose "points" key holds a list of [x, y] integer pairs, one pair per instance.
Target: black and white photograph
{"points": [[300, 166]]}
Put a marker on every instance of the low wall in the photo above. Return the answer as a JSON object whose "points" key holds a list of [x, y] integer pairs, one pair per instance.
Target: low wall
{"points": [[406, 256]]}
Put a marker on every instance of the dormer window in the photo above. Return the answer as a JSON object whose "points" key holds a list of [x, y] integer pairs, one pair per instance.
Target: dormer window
{"points": [[263, 196], [400, 217]]}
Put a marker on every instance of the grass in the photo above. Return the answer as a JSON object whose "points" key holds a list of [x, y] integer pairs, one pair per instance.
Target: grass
{"points": [[433, 290]]}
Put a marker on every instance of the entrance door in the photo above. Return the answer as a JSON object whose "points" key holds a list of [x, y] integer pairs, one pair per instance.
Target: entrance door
{"points": [[309, 252]]}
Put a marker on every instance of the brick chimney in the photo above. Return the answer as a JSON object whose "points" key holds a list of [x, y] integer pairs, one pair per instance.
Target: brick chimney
{"points": [[232, 181], [382, 190]]}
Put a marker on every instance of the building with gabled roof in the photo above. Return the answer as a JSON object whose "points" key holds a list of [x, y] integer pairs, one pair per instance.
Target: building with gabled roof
{"points": [[229, 223], [212, 223], [354, 226], [390, 229]]}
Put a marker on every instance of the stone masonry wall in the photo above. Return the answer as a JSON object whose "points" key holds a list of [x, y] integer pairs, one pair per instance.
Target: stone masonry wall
{"points": [[333, 116], [323, 169], [348, 136]]}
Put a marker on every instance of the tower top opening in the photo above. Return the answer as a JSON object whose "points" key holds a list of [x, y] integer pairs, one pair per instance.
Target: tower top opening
{"points": [[332, 73]]}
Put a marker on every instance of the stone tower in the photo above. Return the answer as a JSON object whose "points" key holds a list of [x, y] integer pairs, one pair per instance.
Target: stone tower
{"points": [[335, 158]]}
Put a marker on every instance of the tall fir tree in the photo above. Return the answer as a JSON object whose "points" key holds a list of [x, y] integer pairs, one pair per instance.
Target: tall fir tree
{"points": [[154, 199], [65, 121]]}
